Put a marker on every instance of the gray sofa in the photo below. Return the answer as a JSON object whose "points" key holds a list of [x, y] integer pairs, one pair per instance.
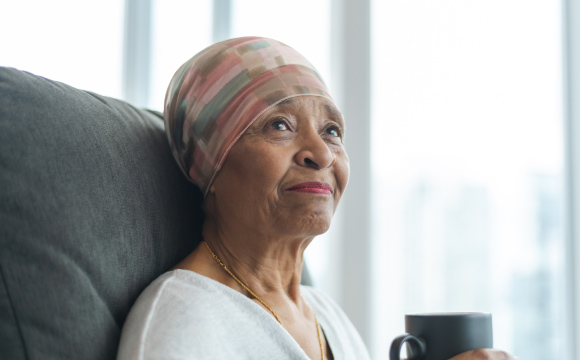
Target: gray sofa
{"points": [[92, 209]]}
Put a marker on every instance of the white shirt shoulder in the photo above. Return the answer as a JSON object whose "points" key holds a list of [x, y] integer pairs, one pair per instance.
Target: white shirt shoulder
{"points": [[185, 315]]}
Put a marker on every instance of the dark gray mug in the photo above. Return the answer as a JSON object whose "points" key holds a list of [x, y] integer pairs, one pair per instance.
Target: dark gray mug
{"points": [[440, 336]]}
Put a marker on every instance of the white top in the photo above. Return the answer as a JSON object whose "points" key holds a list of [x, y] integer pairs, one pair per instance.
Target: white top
{"points": [[185, 315]]}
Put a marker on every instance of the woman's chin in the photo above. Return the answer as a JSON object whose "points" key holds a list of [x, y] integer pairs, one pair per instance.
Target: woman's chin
{"points": [[311, 223]]}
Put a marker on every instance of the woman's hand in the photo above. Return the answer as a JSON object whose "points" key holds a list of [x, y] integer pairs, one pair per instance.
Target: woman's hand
{"points": [[484, 354]]}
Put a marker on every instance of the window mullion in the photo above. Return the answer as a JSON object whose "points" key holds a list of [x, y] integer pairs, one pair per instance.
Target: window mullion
{"points": [[571, 33], [137, 52]]}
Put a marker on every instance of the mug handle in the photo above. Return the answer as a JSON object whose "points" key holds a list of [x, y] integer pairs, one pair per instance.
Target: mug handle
{"points": [[418, 348]]}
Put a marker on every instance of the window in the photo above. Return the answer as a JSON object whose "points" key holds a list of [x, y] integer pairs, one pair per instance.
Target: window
{"points": [[76, 42], [468, 167]]}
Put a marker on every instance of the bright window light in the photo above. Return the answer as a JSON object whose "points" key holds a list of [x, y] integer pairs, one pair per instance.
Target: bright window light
{"points": [[79, 43], [468, 167]]}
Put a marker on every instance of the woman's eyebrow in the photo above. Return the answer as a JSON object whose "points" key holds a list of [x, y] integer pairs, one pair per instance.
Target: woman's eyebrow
{"points": [[334, 112]]}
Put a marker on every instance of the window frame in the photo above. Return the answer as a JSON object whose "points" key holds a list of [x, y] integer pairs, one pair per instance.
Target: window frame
{"points": [[571, 81]]}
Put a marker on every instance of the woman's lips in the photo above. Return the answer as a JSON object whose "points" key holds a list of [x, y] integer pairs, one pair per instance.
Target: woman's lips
{"points": [[312, 187]]}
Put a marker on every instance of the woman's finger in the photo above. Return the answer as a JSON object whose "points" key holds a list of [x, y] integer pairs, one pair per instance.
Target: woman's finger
{"points": [[484, 354]]}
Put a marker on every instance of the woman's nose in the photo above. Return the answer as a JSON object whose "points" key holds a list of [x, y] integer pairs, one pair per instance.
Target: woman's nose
{"points": [[314, 153]]}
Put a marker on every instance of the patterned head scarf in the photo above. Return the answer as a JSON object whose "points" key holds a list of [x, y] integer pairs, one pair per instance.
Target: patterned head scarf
{"points": [[216, 95]]}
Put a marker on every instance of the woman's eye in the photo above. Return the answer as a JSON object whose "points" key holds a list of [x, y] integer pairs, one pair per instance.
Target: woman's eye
{"points": [[279, 125], [333, 130]]}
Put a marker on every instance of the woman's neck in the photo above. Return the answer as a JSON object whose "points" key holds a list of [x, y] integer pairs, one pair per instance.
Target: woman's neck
{"points": [[268, 264]]}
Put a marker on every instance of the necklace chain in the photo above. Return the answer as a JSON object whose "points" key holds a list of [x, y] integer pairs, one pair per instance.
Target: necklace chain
{"points": [[260, 299]]}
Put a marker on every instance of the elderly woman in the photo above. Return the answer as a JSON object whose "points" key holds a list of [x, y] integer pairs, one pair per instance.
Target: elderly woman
{"points": [[251, 123]]}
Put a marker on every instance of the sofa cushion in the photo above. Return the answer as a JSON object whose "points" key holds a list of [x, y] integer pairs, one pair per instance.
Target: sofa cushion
{"points": [[92, 209]]}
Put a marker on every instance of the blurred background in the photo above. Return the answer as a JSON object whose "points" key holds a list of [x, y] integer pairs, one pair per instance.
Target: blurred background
{"points": [[459, 116]]}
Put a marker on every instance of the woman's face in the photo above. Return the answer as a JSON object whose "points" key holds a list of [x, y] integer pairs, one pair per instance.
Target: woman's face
{"points": [[287, 172]]}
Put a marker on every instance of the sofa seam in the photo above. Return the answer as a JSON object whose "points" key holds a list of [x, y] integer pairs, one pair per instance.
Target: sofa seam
{"points": [[24, 347]]}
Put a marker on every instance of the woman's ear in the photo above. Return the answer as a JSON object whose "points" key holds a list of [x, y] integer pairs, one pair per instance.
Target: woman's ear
{"points": [[212, 189]]}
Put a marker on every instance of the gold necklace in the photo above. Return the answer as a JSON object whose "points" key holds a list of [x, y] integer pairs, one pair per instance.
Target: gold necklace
{"points": [[260, 299]]}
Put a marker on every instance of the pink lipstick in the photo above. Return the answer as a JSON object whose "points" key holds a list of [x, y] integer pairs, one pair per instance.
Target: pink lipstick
{"points": [[312, 187]]}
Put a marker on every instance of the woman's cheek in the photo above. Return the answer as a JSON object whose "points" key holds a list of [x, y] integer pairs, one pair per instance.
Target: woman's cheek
{"points": [[344, 171]]}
